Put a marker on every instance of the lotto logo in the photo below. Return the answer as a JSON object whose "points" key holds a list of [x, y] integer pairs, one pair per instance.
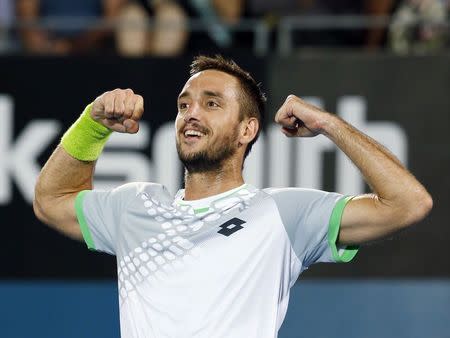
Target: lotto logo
{"points": [[231, 226]]}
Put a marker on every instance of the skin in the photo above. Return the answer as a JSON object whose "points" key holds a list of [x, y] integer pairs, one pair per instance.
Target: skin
{"points": [[63, 176], [398, 199], [209, 102]]}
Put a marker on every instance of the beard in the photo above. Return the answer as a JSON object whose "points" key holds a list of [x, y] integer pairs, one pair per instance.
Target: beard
{"points": [[211, 158]]}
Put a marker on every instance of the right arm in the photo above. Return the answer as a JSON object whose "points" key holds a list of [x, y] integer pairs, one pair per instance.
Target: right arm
{"points": [[59, 182], [64, 175]]}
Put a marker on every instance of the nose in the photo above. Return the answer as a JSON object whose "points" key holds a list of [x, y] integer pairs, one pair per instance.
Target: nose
{"points": [[193, 113]]}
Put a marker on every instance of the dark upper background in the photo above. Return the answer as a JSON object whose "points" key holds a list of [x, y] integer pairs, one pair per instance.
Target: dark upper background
{"points": [[57, 55], [414, 95]]}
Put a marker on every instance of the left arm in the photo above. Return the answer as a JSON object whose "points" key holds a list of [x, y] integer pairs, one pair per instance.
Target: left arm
{"points": [[398, 199]]}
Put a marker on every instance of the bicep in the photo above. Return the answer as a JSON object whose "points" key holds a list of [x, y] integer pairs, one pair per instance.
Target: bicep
{"points": [[366, 218], [60, 215]]}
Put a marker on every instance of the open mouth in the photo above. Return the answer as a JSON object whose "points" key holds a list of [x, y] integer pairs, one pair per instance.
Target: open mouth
{"points": [[191, 134]]}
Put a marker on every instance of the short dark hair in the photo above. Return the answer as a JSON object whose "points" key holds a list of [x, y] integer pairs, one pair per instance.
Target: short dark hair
{"points": [[252, 100]]}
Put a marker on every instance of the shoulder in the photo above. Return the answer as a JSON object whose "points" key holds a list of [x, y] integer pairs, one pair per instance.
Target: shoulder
{"points": [[293, 192], [134, 189], [141, 187], [302, 198]]}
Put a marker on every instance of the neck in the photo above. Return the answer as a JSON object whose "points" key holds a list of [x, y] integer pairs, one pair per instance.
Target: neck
{"points": [[204, 184]]}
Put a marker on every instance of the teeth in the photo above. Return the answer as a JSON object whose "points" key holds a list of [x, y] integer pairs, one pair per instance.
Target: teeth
{"points": [[192, 133]]}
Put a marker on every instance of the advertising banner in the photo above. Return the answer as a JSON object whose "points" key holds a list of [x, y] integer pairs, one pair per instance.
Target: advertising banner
{"points": [[401, 102]]}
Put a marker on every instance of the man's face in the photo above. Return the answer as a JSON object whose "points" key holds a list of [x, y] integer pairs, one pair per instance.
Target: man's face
{"points": [[208, 119]]}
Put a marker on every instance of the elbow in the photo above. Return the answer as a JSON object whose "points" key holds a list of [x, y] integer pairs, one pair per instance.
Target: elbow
{"points": [[39, 210], [419, 208], [425, 206], [41, 205]]}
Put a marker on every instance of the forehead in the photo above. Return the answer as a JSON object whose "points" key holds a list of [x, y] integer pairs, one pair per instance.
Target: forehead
{"points": [[212, 80]]}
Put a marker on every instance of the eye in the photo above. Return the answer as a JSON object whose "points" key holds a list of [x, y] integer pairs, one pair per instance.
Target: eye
{"points": [[182, 106], [213, 104]]}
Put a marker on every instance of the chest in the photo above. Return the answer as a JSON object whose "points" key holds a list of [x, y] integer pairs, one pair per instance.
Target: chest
{"points": [[170, 244]]}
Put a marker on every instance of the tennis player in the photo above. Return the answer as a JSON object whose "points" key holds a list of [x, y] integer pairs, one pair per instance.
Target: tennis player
{"points": [[219, 257]]}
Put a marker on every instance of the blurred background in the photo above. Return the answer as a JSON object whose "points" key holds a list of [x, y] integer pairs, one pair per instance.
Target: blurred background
{"points": [[383, 65]]}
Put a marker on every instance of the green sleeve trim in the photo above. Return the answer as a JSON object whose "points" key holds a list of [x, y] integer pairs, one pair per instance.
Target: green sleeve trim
{"points": [[333, 231], [201, 210], [82, 220]]}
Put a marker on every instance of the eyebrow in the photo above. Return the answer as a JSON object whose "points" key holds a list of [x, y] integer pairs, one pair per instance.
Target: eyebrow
{"points": [[213, 94], [205, 92]]}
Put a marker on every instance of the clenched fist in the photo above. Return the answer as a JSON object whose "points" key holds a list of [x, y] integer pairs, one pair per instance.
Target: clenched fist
{"points": [[119, 110], [299, 118]]}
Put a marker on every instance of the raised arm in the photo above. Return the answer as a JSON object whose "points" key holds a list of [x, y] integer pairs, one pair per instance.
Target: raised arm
{"points": [[70, 169], [398, 199]]}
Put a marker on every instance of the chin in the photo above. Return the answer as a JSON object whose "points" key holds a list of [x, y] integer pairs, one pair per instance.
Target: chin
{"points": [[190, 151], [204, 157]]}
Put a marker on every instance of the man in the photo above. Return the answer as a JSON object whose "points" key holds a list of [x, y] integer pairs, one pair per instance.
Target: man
{"points": [[218, 260]]}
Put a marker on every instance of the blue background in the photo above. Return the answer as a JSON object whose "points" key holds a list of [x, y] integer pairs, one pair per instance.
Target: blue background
{"points": [[317, 309]]}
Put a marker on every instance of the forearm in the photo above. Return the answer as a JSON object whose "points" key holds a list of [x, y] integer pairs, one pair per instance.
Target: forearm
{"points": [[399, 200], [59, 182], [63, 174], [68, 171], [394, 186]]}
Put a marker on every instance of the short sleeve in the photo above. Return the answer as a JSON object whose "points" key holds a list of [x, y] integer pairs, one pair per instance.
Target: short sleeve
{"points": [[100, 213], [312, 219]]}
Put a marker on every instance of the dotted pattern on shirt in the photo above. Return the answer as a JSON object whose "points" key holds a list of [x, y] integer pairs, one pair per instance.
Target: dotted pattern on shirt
{"points": [[170, 250]]}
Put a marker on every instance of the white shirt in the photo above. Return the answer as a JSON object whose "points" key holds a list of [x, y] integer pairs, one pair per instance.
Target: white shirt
{"points": [[217, 267]]}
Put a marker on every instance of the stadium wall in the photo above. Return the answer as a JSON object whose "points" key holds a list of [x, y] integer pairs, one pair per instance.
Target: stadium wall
{"points": [[401, 101]]}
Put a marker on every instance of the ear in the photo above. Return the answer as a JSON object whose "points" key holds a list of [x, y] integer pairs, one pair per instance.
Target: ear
{"points": [[249, 129]]}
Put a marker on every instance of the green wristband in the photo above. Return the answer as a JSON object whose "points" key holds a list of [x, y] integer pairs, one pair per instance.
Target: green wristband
{"points": [[85, 139]]}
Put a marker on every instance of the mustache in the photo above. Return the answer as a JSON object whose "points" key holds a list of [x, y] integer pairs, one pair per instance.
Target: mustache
{"points": [[196, 126]]}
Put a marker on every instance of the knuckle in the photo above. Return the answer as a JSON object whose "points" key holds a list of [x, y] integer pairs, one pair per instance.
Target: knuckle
{"points": [[109, 107], [291, 97], [128, 111], [140, 101], [119, 92], [129, 105], [105, 96]]}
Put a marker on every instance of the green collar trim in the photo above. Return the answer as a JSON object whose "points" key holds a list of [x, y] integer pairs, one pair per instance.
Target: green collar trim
{"points": [[204, 209], [201, 210]]}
